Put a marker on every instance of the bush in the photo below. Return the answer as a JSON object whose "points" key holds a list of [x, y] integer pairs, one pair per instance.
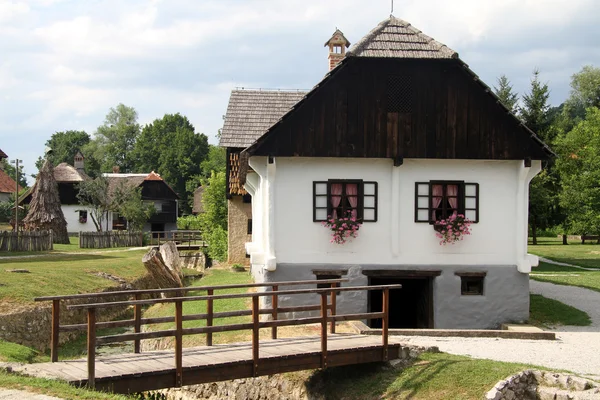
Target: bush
{"points": [[216, 239], [189, 222]]}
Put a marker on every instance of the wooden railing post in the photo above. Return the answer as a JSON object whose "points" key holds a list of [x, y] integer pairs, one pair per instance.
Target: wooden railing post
{"points": [[209, 317], [255, 332], [137, 323], [274, 306], [333, 306], [55, 330], [385, 322], [91, 347], [324, 330], [178, 343]]}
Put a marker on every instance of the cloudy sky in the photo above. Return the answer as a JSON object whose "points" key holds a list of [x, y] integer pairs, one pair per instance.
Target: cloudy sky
{"points": [[64, 63]]}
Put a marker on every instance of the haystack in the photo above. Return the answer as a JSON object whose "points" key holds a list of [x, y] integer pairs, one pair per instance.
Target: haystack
{"points": [[45, 212]]}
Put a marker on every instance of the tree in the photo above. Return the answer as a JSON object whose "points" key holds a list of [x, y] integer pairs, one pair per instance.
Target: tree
{"points": [[10, 169], [213, 221], [64, 146], [585, 88], [542, 191], [126, 200], [93, 194], [579, 168], [505, 93], [115, 140], [215, 162], [171, 147], [534, 111]]}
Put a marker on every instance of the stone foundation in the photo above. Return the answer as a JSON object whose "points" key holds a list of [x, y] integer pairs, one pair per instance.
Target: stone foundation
{"points": [[542, 385], [32, 326]]}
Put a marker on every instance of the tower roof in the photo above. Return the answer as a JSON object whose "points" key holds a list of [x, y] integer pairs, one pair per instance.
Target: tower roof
{"points": [[338, 37], [396, 38]]}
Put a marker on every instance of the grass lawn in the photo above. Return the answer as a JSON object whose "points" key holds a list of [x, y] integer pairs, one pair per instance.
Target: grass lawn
{"points": [[64, 274], [546, 312], [72, 247], [433, 376], [53, 388], [567, 276], [584, 255]]}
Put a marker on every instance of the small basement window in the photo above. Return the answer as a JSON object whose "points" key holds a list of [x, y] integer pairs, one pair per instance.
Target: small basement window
{"points": [[329, 274], [471, 283], [249, 230]]}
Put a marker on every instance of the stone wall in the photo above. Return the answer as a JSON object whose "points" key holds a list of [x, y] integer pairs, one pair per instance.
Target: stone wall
{"points": [[31, 326], [303, 385], [543, 385], [238, 214]]}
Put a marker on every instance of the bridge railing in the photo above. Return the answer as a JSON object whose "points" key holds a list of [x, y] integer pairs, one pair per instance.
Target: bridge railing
{"points": [[327, 315], [137, 322]]}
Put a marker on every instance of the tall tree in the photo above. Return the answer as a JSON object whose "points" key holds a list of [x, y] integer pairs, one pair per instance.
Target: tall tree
{"points": [[505, 93], [115, 139], [64, 146], [534, 111], [542, 191], [214, 218], [585, 87], [93, 194], [579, 168], [215, 162], [171, 147]]}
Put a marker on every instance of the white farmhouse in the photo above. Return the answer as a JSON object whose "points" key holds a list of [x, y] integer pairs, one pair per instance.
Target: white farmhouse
{"points": [[401, 134]]}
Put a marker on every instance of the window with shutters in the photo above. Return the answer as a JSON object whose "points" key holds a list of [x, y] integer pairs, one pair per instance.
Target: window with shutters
{"points": [[337, 198], [437, 200]]}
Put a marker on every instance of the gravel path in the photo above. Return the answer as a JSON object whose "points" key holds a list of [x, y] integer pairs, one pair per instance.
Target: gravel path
{"points": [[576, 349]]}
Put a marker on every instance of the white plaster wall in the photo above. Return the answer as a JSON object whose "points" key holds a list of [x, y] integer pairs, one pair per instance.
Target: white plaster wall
{"points": [[499, 238], [71, 213]]}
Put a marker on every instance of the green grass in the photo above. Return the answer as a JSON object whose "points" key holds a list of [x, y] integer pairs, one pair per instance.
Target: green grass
{"points": [[586, 255], [546, 312], [432, 376], [213, 277], [567, 276], [12, 352], [65, 274], [53, 388]]}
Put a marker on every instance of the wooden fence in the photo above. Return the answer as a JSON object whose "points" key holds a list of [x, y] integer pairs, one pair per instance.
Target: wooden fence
{"points": [[103, 240], [26, 241]]}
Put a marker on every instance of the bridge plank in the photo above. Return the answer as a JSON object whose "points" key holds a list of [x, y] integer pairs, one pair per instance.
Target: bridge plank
{"points": [[125, 373]]}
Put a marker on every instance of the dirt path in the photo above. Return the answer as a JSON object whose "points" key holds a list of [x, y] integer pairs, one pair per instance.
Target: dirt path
{"points": [[9, 394]]}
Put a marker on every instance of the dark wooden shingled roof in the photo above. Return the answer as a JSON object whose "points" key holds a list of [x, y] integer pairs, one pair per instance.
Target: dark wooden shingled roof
{"points": [[397, 38], [2, 154], [251, 112]]}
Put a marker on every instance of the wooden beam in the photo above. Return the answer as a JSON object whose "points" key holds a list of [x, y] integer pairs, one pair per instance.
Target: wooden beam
{"points": [[178, 344], [274, 307], [137, 325], [323, 330], [398, 161], [91, 348], [209, 317], [55, 330], [255, 333]]}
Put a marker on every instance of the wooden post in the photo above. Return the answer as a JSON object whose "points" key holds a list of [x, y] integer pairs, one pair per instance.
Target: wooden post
{"points": [[55, 330], [209, 317], [178, 343], [385, 322], [255, 331], [323, 330], [91, 348], [333, 306], [274, 306], [137, 323]]}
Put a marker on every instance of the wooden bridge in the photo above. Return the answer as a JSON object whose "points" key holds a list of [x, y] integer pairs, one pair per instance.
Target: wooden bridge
{"points": [[137, 372]]}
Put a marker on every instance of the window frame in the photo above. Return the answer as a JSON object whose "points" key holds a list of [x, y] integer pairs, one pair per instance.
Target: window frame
{"points": [[360, 207], [472, 277], [462, 198]]}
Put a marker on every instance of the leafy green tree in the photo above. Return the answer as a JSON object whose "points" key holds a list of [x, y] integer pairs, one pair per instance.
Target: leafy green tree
{"points": [[127, 201], [579, 168], [215, 162], [115, 140], [543, 199], [505, 93], [585, 87], [214, 218], [10, 170], [171, 147], [93, 194], [64, 146]]}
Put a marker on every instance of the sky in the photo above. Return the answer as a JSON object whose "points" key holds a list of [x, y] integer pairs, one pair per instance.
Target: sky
{"points": [[65, 63]]}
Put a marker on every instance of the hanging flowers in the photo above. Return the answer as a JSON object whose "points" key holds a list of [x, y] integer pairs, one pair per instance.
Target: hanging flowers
{"points": [[452, 229], [342, 229]]}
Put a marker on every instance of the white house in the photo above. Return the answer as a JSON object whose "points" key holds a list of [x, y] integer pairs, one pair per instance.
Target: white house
{"points": [[402, 134]]}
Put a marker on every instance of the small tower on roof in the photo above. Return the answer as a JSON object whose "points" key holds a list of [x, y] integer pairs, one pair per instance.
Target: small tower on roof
{"points": [[78, 161], [337, 48]]}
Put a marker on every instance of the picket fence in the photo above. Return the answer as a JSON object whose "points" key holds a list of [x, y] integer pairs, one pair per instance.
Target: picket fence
{"points": [[25, 241], [103, 240]]}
